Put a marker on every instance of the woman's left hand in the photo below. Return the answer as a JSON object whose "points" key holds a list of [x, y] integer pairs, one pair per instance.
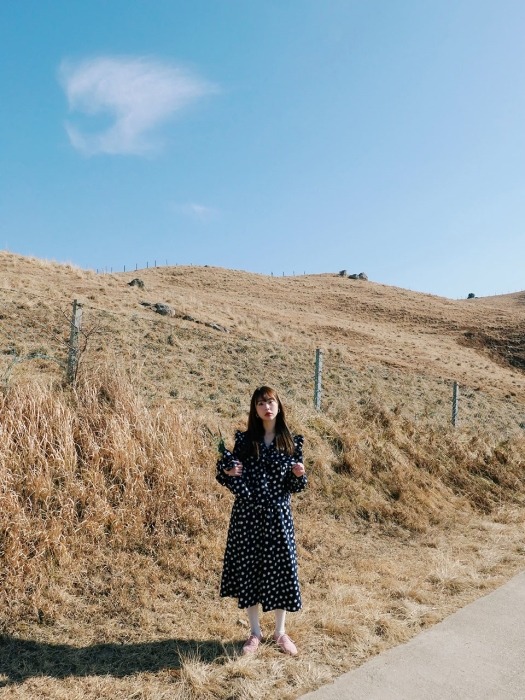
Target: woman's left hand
{"points": [[298, 469]]}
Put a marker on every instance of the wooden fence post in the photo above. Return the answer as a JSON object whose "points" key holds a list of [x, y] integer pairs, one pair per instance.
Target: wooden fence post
{"points": [[455, 404], [318, 378], [76, 325]]}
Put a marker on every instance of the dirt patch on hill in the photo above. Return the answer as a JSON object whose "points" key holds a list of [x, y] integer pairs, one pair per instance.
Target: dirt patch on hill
{"points": [[504, 345]]}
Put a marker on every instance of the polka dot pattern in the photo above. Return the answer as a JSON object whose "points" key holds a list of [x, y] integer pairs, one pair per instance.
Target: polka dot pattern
{"points": [[260, 561]]}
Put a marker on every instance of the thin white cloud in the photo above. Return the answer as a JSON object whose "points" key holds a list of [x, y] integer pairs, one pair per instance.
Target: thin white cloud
{"points": [[136, 93], [200, 212]]}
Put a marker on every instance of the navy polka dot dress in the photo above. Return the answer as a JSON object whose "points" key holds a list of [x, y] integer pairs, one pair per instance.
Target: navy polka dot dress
{"points": [[260, 561]]}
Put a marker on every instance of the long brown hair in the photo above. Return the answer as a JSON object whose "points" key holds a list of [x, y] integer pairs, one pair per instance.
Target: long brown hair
{"points": [[283, 437]]}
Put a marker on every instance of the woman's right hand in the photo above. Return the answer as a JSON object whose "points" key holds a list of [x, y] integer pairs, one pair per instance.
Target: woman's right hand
{"points": [[235, 469]]}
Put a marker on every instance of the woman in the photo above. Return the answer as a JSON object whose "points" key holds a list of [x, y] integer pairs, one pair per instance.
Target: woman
{"points": [[260, 562]]}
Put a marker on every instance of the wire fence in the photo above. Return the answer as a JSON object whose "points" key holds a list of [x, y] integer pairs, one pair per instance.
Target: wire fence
{"points": [[127, 269], [183, 359]]}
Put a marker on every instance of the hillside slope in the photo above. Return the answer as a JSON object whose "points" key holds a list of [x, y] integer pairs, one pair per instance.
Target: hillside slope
{"points": [[411, 345], [112, 526]]}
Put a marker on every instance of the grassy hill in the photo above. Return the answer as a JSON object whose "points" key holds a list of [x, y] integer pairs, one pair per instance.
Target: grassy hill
{"points": [[112, 526]]}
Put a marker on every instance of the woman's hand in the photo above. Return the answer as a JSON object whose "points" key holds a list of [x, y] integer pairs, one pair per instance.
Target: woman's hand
{"points": [[298, 469], [235, 470]]}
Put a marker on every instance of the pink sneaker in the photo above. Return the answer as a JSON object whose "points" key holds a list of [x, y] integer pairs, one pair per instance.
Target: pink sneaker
{"points": [[251, 645], [285, 644]]}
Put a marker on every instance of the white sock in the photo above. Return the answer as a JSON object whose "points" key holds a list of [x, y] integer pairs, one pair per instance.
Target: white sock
{"points": [[280, 618], [253, 617]]}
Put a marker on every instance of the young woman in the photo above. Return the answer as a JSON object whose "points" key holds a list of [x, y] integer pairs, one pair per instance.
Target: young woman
{"points": [[260, 562]]}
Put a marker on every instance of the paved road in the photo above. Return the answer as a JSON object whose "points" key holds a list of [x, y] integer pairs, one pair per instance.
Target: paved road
{"points": [[476, 654]]}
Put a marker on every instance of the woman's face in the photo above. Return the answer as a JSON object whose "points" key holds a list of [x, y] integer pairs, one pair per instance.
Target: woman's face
{"points": [[267, 407]]}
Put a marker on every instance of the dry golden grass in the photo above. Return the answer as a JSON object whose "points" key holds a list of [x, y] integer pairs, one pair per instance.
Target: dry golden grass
{"points": [[111, 524]]}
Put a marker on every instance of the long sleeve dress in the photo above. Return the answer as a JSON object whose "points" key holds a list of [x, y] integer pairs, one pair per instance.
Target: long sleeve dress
{"points": [[260, 561]]}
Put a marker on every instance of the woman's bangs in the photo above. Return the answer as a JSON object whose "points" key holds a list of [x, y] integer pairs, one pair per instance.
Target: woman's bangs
{"points": [[266, 394]]}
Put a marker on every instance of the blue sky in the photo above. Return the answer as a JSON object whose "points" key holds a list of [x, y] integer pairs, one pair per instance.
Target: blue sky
{"points": [[379, 136]]}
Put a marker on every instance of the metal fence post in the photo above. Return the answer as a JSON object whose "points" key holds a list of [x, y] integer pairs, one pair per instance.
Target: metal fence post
{"points": [[318, 378], [455, 404], [76, 325]]}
